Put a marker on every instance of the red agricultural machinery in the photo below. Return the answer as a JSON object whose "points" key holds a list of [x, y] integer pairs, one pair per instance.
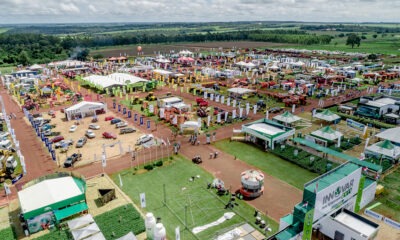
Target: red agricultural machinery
{"points": [[201, 102]]}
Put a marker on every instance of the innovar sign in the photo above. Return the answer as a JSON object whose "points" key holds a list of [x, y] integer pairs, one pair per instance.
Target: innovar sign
{"points": [[341, 191]]}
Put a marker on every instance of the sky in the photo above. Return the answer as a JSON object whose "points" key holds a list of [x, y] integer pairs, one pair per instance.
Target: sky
{"points": [[79, 11]]}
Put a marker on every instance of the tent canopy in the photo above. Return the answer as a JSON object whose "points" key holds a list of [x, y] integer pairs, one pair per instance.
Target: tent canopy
{"points": [[391, 134], [327, 115], [287, 117], [384, 148], [240, 91], [327, 133], [85, 232]]}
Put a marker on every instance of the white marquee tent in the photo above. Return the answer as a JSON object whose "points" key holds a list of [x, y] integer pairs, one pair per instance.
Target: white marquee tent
{"points": [[120, 79], [84, 109]]}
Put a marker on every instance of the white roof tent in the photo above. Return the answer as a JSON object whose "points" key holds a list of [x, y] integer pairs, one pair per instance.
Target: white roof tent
{"points": [[269, 131], [327, 133], [384, 149], [115, 79], [391, 134], [84, 109], [240, 91], [46, 196], [327, 115], [286, 118], [190, 125]]}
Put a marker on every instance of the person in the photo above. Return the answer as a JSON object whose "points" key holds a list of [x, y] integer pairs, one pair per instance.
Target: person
{"points": [[215, 154], [198, 142]]}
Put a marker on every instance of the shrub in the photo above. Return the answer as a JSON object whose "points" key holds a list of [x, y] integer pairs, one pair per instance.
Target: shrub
{"points": [[158, 163], [148, 167]]}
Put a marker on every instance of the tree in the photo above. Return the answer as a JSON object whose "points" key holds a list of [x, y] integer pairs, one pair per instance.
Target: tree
{"points": [[353, 39], [375, 35], [23, 58]]}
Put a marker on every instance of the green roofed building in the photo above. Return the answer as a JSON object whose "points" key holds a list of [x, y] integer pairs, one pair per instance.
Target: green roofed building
{"points": [[384, 150], [266, 132], [49, 200], [328, 206]]}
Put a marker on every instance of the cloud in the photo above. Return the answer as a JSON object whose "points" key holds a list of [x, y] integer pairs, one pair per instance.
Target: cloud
{"points": [[35, 11]]}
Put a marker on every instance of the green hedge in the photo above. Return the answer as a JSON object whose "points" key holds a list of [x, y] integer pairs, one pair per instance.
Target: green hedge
{"points": [[366, 121], [7, 233]]}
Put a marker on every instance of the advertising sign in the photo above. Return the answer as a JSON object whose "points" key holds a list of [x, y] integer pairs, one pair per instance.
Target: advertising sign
{"points": [[129, 114], [114, 104], [119, 108], [141, 120], [338, 193], [124, 111], [307, 227], [356, 125], [359, 194]]}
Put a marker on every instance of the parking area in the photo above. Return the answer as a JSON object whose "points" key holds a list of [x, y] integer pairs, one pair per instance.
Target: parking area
{"points": [[93, 148]]}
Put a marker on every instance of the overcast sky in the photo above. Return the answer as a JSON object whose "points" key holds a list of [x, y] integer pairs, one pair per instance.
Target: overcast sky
{"points": [[70, 11]]}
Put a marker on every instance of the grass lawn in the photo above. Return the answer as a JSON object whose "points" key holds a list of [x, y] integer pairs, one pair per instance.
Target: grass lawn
{"points": [[6, 70], [268, 162], [390, 199], [7, 233], [203, 205]]}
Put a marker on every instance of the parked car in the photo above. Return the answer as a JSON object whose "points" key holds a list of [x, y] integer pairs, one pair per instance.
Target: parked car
{"points": [[90, 134], [56, 139], [108, 118], [144, 139], [69, 162], [94, 126], [73, 128], [63, 143], [109, 135], [127, 130], [116, 120], [121, 124], [81, 141]]}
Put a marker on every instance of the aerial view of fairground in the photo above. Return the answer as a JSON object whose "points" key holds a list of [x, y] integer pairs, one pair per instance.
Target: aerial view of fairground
{"points": [[228, 129]]}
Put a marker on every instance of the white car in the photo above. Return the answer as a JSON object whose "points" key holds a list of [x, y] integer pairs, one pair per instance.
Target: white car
{"points": [[94, 126], [90, 134], [144, 139], [121, 124], [73, 128]]}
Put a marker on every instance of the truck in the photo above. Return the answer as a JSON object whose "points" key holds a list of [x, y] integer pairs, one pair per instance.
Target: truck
{"points": [[69, 162]]}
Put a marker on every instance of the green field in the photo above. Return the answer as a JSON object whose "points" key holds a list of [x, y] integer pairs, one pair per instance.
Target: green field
{"points": [[390, 199], [268, 163], [7, 234], [203, 205]]}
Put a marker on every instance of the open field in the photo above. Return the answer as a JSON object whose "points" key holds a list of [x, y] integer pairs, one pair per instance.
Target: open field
{"points": [[203, 205], [267, 162]]}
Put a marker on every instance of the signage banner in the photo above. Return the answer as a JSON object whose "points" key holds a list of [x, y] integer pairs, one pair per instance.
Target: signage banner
{"points": [[103, 160], [356, 125], [151, 108], [177, 233], [307, 227], [124, 110], [359, 194], [119, 108], [162, 113], [222, 99], [373, 214], [148, 124], [142, 200], [114, 105], [141, 120], [391, 223], [135, 117], [129, 114], [337, 194]]}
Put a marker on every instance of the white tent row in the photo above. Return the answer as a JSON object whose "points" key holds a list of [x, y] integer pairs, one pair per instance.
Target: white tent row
{"points": [[91, 231], [244, 64], [114, 79]]}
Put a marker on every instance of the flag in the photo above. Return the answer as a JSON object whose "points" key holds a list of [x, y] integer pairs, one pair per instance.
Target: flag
{"points": [[169, 143], [120, 180], [103, 160], [316, 187], [142, 200], [177, 233], [7, 189]]}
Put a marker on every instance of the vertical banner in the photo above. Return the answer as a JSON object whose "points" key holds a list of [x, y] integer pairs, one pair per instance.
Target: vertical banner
{"points": [[267, 114], [135, 117], [222, 99], [359, 194], [129, 114], [114, 105], [124, 110], [53, 154], [151, 108], [205, 95], [366, 143], [293, 108], [103, 160], [208, 120], [240, 112], [233, 113], [212, 96], [119, 107], [148, 124], [307, 228], [141, 120], [120, 180], [219, 118], [142, 200], [226, 116], [162, 113], [228, 102], [247, 108], [234, 103], [217, 98], [255, 109], [177, 233]]}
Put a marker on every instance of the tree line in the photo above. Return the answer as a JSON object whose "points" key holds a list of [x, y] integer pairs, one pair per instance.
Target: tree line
{"points": [[28, 48]]}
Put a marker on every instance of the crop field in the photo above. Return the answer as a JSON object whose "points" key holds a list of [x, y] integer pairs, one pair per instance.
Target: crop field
{"points": [[390, 199], [187, 201], [268, 163]]}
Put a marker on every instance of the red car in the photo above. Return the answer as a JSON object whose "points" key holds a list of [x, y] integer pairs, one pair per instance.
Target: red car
{"points": [[109, 135], [109, 118], [56, 139]]}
